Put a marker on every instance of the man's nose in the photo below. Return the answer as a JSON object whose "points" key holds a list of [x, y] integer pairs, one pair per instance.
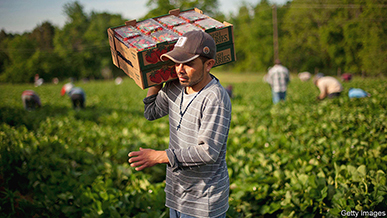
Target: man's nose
{"points": [[179, 68]]}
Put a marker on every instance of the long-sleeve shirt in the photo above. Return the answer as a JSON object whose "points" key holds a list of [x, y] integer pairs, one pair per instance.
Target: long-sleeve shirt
{"points": [[278, 78], [77, 90], [328, 85], [29, 95], [197, 181]]}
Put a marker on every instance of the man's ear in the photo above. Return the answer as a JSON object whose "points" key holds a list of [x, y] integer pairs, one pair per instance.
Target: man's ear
{"points": [[209, 64]]}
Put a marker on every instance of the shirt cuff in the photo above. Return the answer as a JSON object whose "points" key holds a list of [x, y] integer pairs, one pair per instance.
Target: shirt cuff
{"points": [[173, 162], [149, 99]]}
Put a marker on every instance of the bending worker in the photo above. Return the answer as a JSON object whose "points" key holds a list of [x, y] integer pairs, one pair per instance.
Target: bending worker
{"points": [[328, 86], [76, 94], [30, 100]]}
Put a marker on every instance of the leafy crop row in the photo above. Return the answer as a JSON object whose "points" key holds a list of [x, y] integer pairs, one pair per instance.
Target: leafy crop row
{"points": [[300, 158]]}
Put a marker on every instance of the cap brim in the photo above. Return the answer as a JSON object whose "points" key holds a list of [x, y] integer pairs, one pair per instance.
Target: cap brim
{"points": [[178, 56]]}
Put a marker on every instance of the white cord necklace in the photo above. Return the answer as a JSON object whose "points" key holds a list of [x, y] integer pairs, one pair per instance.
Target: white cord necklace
{"points": [[181, 105]]}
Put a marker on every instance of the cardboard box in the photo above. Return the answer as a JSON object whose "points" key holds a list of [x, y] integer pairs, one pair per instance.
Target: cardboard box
{"points": [[136, 46], [154, 76], [145, 78], [225, 55]]}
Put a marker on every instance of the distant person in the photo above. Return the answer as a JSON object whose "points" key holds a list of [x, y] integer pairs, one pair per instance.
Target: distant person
{"points": [[30, 100], [328, 86], [76, 94], [118, 80], [304, 76], [278, 78], [66, 87], [39, 82], [358, 93], [36, 78], [55, 80], [346, 77]]}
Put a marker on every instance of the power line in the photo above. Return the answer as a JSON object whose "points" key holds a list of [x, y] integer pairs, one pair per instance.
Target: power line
{"points": [[335, 6]]}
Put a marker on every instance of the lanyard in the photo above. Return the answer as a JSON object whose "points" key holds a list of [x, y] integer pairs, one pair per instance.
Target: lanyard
{"points": [[181, 105]]}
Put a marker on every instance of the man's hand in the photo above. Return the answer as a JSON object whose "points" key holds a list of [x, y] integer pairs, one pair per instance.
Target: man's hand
{"points": [[321, 97], [147, 158], [154, 90]]}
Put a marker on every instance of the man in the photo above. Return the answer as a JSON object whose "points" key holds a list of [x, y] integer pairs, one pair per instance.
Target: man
{"points": [[357, 93], [304, 76], [66, 88], [278, 78], [328, 86], [346, 77], [76, 94], [30, 100], [199, 109]]}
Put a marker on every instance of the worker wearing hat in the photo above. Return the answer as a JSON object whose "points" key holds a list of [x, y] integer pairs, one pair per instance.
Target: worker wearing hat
{"points": [[199, 110]]}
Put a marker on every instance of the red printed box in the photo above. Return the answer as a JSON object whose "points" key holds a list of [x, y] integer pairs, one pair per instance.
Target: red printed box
{"points": [[145, 78]]}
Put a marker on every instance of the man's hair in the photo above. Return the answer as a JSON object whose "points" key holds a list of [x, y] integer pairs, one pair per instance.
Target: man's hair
{"points": [[204, 59]]}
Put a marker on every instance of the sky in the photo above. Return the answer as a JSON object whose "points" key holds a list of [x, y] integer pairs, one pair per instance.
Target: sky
{"points": [[19, 16]]}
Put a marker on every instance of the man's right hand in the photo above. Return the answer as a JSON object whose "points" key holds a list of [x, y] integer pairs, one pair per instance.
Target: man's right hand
{"points": [[147, 158], [154, 90]]}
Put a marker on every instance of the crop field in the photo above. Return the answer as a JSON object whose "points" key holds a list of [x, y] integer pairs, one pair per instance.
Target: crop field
{"points": [[299, 158]]}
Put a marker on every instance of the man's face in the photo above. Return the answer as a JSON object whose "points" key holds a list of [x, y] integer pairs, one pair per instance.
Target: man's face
{"points": [[191, 73]]}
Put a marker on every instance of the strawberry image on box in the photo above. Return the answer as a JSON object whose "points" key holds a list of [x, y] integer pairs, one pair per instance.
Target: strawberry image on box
{"points": [[127, 32], [171, 21], [192, 16], [142, 42], [186, 28], [165, 35], [149, 25], [209, 23]]}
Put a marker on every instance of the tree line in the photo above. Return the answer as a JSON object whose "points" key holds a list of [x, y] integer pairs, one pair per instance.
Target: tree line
{"points": [[329, 36]]}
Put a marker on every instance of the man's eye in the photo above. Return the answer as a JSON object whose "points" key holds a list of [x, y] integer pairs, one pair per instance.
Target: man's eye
{"points": [[190, 64]]}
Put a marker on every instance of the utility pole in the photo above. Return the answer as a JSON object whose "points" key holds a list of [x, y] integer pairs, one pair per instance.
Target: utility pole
{"points": [[275, 32]]}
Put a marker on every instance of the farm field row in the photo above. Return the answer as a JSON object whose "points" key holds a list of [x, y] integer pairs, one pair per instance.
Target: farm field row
{"points": [[299, 158]]}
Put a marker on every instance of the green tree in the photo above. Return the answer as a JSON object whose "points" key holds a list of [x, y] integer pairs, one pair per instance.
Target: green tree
{"points": [[18, 50], [69, 41], [301, 41], [45, 62], [44, 36], [83, 42], [331, 35], [373, 30], [262, 29], [3, 55], [96, 38], [253, 34]]}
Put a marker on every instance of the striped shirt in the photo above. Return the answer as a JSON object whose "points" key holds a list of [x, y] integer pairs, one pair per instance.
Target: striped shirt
{"points": [[278, 78], [197, 181]]}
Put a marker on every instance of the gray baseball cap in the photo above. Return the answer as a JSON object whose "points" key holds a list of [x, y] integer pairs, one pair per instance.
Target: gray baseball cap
{"points": [[190, 46]]}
